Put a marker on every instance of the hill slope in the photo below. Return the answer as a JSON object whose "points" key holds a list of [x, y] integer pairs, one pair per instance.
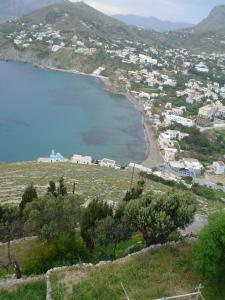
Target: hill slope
{"points": [[17, 8], [214, 22], [161, 272], [207, 36], [152, 23], [82, 19]]}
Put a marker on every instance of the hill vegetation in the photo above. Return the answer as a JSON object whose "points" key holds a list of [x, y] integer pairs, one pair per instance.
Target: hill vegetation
{"points": [[11, 9]]}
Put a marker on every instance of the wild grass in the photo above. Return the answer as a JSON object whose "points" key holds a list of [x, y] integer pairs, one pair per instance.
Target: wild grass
{"points": [[31, 291], [164, 272]]}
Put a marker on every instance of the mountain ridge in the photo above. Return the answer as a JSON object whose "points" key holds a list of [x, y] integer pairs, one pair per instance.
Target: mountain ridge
{"points": [[152, 23]]}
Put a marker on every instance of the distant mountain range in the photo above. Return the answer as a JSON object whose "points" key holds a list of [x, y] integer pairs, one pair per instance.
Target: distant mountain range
{"points": [[10, 9], [152, 23]]}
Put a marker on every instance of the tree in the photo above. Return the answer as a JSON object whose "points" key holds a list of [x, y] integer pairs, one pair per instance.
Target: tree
{"points": [[62, 190], [135, 193], [110, 231], [156, 216], [209, 252], [10, 228], [52, 188], [96, 210], [49, 217], [29, 195]]}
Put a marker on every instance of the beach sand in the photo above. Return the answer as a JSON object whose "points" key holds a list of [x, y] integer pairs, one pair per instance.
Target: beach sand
{"points": [[153, 155]]}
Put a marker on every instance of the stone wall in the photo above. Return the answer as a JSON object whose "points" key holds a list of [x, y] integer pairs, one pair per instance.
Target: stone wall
{"points": [[101, 263]]}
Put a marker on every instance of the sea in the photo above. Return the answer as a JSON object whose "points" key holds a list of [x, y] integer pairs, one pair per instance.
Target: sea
{"points": [[41, 110]]}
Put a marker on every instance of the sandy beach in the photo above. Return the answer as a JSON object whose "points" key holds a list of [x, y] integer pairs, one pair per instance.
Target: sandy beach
{"points": [[153, 156]]}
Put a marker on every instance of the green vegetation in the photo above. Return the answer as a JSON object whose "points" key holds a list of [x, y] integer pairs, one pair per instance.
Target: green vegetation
{"points": [[208, 193], [209, 251], [163, 272], [96, 211], [206, 146], [156, 216], [65, 250], [91, 181], [31, 291]]}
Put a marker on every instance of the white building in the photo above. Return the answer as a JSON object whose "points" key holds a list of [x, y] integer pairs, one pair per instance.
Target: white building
{"points": [[180, 120], [108, 163], [175, 134], [81, 160], [170, 154], [53, 158], [193, 165], [140, 168]]}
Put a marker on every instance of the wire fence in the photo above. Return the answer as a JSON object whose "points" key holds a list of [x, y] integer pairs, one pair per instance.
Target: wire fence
{"points": [[197, 295]]}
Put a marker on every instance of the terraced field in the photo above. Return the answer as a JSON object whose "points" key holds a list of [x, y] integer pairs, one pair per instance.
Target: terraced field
{"points": [[91, 181]]}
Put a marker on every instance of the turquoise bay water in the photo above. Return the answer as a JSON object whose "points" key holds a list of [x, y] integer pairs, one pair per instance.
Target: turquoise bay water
{"points": [[42, 110]]}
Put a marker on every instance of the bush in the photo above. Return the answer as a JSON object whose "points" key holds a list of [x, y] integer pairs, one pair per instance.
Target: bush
{"points": [[65, 250], [208, 193], [134, 248], [209, 254], [174, 236]]}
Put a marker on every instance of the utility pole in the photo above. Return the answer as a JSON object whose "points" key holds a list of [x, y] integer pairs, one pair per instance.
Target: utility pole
{"points": [[74, 187], [132, 177]]}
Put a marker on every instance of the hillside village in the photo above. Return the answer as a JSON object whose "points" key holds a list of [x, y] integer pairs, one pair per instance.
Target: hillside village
{"points": [[101, 225], [172, 86]]}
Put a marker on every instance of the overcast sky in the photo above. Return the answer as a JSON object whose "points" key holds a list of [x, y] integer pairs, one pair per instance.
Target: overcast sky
{"points": [[174, 10]]}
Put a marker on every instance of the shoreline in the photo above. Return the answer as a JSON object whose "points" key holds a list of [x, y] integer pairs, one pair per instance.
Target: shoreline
{"points": [[152, 156]]}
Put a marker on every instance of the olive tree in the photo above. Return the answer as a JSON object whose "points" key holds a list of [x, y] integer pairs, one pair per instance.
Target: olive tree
{"points": [[49, 217], [157, 215], [96, 210], [28, 196]]}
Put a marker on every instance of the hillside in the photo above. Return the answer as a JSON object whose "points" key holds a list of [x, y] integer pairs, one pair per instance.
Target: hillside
{"points": [[90, 181], [214, 22], [207, 36], [152, 23], [16, 8], [154, 274], [81, 33]]}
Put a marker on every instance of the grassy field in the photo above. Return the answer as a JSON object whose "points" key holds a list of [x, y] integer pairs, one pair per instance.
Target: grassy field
{"points": [[90, 181], [164, 272], [31, 291]]}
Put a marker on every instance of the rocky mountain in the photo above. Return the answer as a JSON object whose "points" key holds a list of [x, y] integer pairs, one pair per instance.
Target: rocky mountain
{"points": [[152, 23], [214, 22], [10, 9]]}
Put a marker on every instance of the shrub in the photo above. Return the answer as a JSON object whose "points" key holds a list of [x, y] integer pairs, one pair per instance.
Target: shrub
{"points": [[209, 254], [65, 250]]}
